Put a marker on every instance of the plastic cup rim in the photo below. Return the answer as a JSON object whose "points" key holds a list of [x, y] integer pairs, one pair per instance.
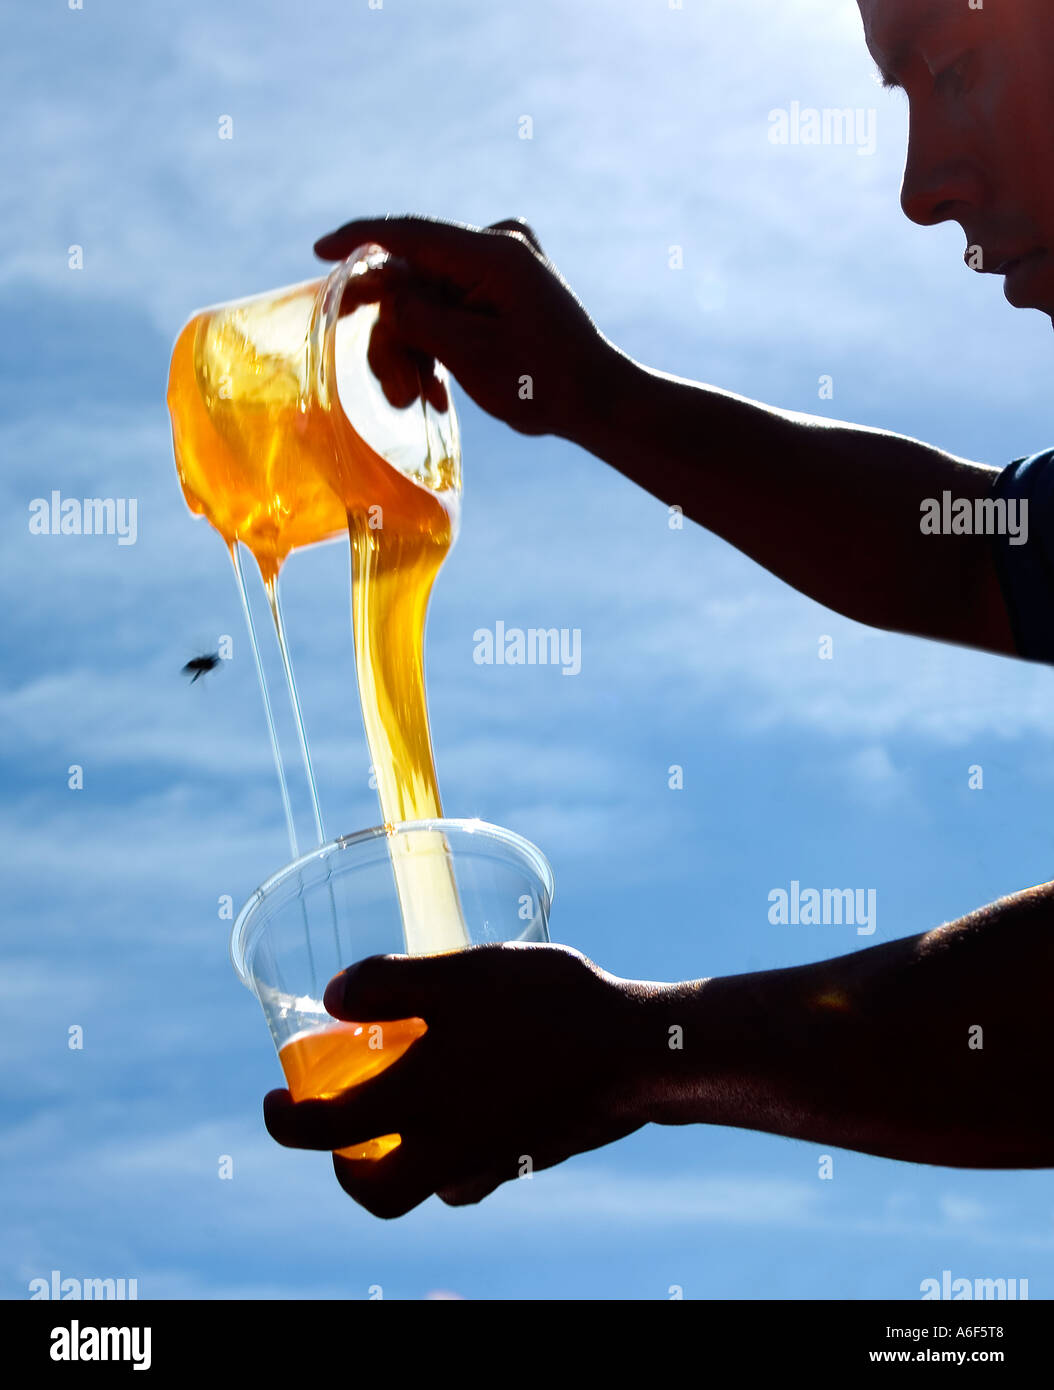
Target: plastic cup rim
{"points": [[537, 860]]}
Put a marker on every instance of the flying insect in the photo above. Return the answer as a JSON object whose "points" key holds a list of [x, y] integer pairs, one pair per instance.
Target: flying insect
{"points": [[198, 666]]}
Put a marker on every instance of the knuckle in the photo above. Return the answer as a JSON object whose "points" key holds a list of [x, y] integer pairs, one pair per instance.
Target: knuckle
{"points": [[455, 1197], [390, 1208], [509, 247], [517, 229], [532, 236]]}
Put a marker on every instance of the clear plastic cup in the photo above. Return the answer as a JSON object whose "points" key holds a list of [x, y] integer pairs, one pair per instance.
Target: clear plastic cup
{"points": [[339, 904]]}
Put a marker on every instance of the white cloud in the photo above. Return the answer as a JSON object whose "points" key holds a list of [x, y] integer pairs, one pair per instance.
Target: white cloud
{"points": [[873, 777]]}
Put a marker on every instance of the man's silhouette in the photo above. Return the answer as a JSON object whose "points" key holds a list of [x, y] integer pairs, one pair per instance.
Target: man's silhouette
{"points": [[869, 1051]]}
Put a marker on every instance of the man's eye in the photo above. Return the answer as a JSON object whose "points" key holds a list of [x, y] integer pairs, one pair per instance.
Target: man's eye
{"points": [[954, 78]]}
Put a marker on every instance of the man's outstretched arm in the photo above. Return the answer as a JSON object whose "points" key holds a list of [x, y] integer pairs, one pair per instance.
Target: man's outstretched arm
{"points": [[935, 1048], [832, 508]]}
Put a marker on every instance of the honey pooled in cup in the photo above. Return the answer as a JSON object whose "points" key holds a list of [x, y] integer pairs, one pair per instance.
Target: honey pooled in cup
{"points": [[323, 1063]]}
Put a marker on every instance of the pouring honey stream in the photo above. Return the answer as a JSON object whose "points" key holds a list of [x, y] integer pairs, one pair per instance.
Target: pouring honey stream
{"points": [[267, 451]]}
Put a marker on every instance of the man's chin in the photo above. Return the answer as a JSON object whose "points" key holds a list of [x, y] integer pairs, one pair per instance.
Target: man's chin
{"points": [[1030, 285]]}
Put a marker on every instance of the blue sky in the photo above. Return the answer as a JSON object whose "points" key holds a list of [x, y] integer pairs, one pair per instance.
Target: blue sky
{"points": [[650, 130]]}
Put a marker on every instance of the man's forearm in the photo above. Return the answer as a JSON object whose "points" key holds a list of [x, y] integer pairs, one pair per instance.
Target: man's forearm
{"points": [[934, 1049], [833, 509]]}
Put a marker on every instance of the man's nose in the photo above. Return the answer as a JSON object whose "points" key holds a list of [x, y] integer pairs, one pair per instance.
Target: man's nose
{"points": [[940, 182]]}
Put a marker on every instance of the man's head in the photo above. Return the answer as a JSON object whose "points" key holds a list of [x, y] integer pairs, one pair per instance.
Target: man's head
{"points": [[979, 78]]}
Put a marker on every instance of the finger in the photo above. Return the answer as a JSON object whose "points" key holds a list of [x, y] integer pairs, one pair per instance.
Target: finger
{"points": [[427, 382], [397, 369], [449, 250], [405, 374], [468, 1193], [384, 277], [434, 390], [385, 1104], [387, 1187], [323, 1125]]}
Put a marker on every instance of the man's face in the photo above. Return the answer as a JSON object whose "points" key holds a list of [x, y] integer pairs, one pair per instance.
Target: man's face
{"points": [[980, 88]]}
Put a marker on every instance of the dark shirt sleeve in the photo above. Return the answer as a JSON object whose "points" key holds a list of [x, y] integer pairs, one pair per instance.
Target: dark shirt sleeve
{"points": [[1026, 568]]}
